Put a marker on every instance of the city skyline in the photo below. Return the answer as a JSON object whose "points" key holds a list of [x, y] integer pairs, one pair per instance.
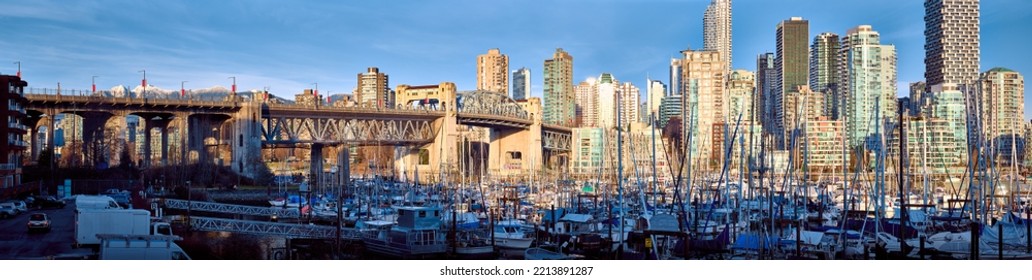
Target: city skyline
{"points": [[263, 45]]}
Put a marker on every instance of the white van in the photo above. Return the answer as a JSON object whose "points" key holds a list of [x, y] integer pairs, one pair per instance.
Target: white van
{"points": [[95, 202]]}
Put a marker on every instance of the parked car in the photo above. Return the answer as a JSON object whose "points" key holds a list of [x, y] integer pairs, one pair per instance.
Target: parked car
{"points": [[20, 206], [49, 201], [7, 210], [39, 222], [122, 199]]}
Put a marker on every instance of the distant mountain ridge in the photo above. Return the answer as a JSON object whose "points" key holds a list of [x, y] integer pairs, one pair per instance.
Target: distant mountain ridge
{"points": [[211, 93]]}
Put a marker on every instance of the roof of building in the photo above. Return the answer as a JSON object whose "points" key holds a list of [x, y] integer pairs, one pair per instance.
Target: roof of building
{"points": [[1001, 69]]}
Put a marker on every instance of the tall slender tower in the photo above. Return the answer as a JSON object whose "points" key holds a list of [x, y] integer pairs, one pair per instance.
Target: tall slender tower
{"points": [[558, 91], [792, 65], [676, 86], [765, 76], [608, 87], [716, 29], [824, 69], [493, 71], [869, 84], [521, 83], [1000, 94], [951, 42]]}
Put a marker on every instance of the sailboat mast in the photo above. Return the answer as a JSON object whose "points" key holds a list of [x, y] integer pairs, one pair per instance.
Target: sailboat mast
{"points": [[655, 177]]}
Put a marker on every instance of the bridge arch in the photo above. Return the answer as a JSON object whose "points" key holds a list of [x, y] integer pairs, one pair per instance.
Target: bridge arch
{"points": [[489, 103]]}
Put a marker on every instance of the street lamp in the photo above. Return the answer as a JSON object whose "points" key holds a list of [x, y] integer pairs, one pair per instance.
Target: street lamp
{"points": [[182, 89], [95, 84], [144, 82], [233, 89]]}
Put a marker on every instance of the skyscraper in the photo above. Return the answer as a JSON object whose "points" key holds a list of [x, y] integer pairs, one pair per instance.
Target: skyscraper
{"points": [[869, 85], [824, 71], [676, 86], [521, 83], [493, 71], [1000, 111], [705, 84], [373, 89], [587, 103], [654, 93], [629, 104], [741, 86], [951, 42], [716, 29], [558, 91], [608, 88], [765, 77], [792, 67]]}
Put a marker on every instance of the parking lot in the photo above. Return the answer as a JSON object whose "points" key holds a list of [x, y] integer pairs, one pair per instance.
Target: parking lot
{"points": [[17, 243]]}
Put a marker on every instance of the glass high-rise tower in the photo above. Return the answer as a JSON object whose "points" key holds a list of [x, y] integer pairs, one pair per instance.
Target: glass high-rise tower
{"points": [[558, 91]]}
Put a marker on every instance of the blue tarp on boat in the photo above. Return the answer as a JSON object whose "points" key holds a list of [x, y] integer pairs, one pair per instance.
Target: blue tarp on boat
{"points": [[753, 242], [549, 216]]}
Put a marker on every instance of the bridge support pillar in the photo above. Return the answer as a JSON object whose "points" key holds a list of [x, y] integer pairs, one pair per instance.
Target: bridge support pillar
{"points": [[32, 121], [316, 167], [201, 128], [246, 141], [92, 131], [427, 163], [517, 152]]}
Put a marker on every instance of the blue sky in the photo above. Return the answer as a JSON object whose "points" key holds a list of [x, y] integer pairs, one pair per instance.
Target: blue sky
{"points": [[288, 45]]}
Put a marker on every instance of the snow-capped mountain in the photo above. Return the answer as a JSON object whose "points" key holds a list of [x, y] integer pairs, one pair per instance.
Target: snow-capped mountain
{"points": [[211, 93]]}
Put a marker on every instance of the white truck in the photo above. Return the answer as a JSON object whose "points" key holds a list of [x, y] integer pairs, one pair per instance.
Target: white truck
{"points": [[140, 247], [91, 222]]}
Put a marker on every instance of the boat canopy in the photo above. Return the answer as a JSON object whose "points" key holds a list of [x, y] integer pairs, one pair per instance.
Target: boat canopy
{"points": [[577, 218]]}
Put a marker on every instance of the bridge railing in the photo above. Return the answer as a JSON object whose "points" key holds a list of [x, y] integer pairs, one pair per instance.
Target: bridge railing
{"points": [[89, 98], [355, 109], [56, 91]]}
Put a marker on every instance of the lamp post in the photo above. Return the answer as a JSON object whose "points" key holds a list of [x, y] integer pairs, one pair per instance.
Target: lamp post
{"points": [[19, 68], [182, 89], [144, 82], [94, 79]]}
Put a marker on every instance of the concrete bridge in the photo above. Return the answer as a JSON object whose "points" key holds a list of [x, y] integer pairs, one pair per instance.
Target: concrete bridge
{"points": [[425, 139]]}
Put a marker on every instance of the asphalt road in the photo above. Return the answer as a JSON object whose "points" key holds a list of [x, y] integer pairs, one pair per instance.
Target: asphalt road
{"points": [[17, 243]]}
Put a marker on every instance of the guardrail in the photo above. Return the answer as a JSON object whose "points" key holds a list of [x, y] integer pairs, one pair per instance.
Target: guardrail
{"points": [[271, 228], [231, 208]]}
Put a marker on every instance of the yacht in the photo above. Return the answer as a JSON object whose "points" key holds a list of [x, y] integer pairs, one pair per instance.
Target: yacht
{"points": [[415, 234]]}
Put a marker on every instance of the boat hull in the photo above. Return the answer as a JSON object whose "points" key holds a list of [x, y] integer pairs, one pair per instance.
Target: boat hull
{"points": [[513, 243]]}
